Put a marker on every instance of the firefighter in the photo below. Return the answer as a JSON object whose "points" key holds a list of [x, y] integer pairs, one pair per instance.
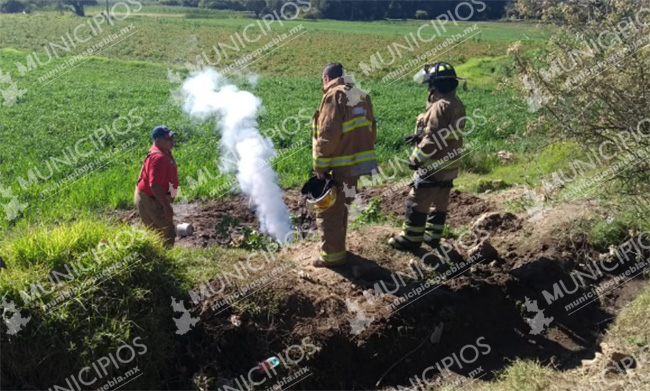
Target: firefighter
{"points": [[343, 145], [158, 185], [435, 159]]}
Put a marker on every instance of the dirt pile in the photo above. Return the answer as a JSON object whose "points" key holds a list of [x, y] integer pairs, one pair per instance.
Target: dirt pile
{"points": [[373, 319]]}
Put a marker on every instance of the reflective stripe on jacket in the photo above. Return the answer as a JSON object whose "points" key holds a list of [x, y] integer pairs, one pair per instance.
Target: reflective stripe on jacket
{"points": [[439, 152], [344, 130]]}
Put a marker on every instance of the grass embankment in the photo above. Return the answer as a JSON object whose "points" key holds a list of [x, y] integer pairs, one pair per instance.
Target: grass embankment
{"points": [[94, 289], [89, 288]]}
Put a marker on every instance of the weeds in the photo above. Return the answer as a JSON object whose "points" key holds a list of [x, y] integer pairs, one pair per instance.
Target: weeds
{"points": [[253, 240], [370, 214]]}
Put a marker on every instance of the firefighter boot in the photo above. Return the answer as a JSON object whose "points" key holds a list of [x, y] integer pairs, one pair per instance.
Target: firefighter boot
{"points": [[435, 226], [412, 233]]}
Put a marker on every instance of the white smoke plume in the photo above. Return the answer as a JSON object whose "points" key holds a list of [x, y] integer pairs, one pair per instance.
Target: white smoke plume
{"points": [[208, 94]]}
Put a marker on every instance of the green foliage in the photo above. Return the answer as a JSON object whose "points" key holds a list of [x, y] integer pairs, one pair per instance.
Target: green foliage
{"points": [[78, 6], [245, 237], [529, 167], [303, 56], [606, 233], [12, 6], [18, 6], [447, 232], [486, 71], [225, 225], [79, 111], [532, 9], [595, 102], [203, 263], [118, 289], [253, 240], [71, 111], [257, 6], [221, 4], [371, 213]]}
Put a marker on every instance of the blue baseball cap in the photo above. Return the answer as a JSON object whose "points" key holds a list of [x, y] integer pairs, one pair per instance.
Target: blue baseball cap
{"points": [[161, 131]]}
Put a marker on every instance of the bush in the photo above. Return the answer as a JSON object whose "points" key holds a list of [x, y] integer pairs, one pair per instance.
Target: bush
{"points": [[592, 91], [421, 14]]}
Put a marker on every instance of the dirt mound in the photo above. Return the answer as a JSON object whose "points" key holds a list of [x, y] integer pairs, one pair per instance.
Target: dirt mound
{"points": [[221, 221], [463, 208], [395, 318], [364, 330]]}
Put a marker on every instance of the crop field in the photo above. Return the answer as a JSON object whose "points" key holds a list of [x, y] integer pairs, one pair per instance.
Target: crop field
{"points": [[81, 97], [133, 77]]}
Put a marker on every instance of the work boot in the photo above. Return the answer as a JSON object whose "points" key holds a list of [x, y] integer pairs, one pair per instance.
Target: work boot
{"points": [[402, 244], [434, 243], [318, 262], [434, 228]]}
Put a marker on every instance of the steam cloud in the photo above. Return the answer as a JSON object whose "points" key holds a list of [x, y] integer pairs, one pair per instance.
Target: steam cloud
{"points": [[208, 94]]}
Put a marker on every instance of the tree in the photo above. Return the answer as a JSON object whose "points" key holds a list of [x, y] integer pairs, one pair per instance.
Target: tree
{"points": [[12, 7], [78, 5], [257, 6], [18, 6], [532, 9], [591, 85], [222, 4]]}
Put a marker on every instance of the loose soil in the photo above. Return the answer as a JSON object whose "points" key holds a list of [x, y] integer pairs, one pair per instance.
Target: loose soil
{"points": [[355, 333]]}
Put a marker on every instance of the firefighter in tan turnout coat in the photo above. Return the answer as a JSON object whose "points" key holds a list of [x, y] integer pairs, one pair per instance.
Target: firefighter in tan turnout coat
{"points": [[435, 158], [343, 144]]}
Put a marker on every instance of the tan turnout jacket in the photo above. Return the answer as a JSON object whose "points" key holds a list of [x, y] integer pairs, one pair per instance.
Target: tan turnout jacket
{"points": [[439, 152], [345, 130]]}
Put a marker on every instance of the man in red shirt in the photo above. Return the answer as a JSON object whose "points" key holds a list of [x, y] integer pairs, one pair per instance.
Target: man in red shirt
{"points": [[158, 184]]}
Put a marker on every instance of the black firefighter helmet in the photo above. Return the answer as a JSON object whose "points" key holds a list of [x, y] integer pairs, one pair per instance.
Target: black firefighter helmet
{"points": [[441, 76]]}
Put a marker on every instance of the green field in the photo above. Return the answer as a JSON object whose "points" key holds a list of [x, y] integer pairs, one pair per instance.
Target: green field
{"points": [[132, 76]]}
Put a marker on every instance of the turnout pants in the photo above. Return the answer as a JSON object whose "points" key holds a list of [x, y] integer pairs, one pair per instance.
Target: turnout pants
{"points": [[426, 212], [333, 223], [152, 215]]}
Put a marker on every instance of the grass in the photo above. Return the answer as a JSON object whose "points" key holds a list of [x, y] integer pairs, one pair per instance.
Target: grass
{"points": [[528, 167], [114, 298], [156, 10], [200, 262]]}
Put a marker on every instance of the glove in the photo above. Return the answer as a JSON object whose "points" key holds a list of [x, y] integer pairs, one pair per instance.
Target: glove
{"points": [[413, 139], [413, 165]]}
